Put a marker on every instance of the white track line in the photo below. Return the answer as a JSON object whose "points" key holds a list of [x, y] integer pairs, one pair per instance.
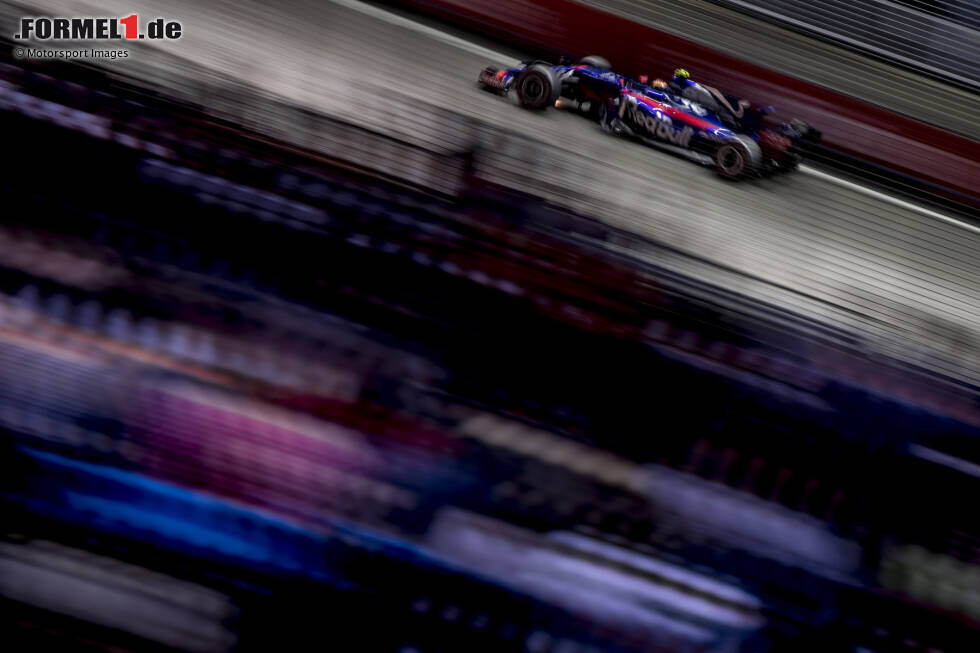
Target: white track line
{"points": [[891, 199], [499, 57]]}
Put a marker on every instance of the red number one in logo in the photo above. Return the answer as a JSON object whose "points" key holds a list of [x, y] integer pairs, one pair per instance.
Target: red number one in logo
{"points": [[130, 23]]}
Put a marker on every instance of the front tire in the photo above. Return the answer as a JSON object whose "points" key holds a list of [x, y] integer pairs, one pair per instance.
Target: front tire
{"points": [[538, 87], [738, 158]]}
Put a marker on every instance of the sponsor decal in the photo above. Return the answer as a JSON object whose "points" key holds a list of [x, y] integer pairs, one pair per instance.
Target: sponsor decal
{"points": [[656, 124]]}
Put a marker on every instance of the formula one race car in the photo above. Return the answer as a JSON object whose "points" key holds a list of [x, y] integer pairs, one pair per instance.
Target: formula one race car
{"points": [[699, 122]]}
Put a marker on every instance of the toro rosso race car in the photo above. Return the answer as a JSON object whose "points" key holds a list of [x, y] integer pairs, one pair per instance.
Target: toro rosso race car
{"points": [[697, 121]]}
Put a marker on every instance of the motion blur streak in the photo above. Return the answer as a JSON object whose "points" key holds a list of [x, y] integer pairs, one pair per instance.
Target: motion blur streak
{"points": [[102, 591], [308, 341]]}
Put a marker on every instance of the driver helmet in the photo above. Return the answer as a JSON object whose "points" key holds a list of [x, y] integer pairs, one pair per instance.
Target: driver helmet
{"points": [[682, 76]]}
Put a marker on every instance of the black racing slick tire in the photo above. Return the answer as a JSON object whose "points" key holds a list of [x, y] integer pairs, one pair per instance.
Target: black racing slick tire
{"points": [[596, 62], [537, 87], [738, 158]]}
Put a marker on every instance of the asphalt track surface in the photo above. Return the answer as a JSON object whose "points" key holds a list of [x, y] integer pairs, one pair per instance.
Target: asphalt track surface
{"points": [[906, 279]]}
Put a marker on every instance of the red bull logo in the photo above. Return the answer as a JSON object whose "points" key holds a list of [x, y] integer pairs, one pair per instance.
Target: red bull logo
{"points": [[658, 125]]}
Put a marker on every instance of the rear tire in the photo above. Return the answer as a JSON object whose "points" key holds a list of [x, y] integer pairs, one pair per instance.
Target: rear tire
{"points": [[596, 62], [738, 158], [537, 87]]}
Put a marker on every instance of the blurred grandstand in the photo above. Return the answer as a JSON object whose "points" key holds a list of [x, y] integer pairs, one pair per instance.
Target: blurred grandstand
{"points": [[275, 377]]}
